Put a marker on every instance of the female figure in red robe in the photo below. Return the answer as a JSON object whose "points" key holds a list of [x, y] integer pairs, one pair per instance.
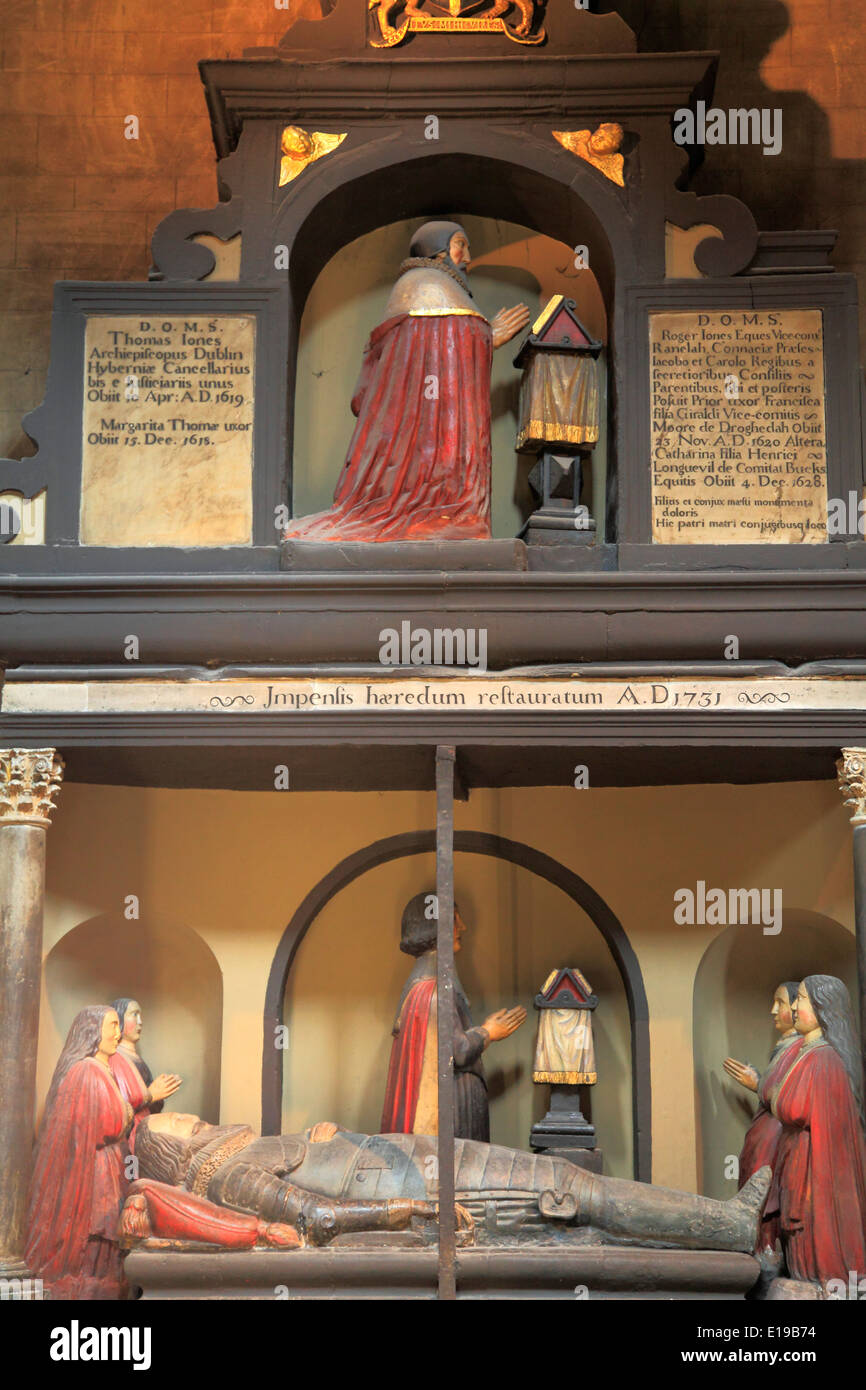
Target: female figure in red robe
{"points": [[79, 1183], [146, 1094], [819, 1181], [418, 466], [765, 1131]]}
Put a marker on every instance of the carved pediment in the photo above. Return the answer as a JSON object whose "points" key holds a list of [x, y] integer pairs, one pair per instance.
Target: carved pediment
{"points": [[392, 20]]}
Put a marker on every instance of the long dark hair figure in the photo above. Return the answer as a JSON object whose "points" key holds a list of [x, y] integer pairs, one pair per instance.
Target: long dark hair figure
{"points": [[79, 1180], [831, 1004], [82, 1041]]}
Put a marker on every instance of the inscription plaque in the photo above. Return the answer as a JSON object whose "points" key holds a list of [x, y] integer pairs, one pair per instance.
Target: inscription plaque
{"points": [[484, 695], [167, 450], [738, 427]]}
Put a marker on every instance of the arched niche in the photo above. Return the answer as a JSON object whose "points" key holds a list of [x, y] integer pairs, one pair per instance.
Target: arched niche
{"points": [[522, 924], [175, 977], [538, 185], [733, 992], [511, 264], [532, 183]]}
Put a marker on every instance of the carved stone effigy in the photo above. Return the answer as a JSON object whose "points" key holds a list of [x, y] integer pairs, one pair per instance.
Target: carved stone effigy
{"points": [[329, 1182], [322, 1202]]}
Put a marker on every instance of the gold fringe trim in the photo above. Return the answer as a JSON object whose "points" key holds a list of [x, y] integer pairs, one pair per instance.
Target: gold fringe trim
{"points": [[445, 313], [567, 1078], [556, 434], [217, 1158]]}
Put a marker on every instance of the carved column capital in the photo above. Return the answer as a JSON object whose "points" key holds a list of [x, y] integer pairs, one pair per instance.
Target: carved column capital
{"points": [[851, 771], [30, 781]]}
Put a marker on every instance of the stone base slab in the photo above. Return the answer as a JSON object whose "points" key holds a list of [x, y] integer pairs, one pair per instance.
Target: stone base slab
{"points": [[549, 1271], [506, 556]]}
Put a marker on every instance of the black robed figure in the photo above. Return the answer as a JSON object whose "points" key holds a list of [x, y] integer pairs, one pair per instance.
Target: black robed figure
{"points": [[412, 1091]]}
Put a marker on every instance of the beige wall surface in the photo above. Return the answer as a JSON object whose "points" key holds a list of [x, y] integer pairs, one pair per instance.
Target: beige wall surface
{"points": [[232, 868]]}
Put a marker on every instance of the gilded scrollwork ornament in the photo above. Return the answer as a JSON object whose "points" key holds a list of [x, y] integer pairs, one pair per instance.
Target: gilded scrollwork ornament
{"points": [[392, 20]]}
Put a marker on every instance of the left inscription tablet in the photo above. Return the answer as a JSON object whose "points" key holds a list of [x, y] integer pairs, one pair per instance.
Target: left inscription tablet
{"points": [[167, 448]]}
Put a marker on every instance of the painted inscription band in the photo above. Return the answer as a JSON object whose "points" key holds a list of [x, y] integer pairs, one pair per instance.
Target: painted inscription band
{"points": [[483, 694]]}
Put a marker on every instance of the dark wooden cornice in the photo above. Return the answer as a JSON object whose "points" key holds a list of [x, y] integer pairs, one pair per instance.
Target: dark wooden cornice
{"points": [[376, 89], [530, 617]]}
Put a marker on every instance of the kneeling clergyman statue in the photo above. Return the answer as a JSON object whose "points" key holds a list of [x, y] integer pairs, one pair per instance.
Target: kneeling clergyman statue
{"points": [[418, 466]]}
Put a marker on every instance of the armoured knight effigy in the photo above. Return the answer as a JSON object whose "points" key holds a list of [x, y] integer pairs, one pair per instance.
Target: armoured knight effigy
{"points": [[331, 1182]]}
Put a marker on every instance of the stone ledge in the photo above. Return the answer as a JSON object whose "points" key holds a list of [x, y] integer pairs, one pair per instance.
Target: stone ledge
{"points": [[549, 1271], [316, 557]]}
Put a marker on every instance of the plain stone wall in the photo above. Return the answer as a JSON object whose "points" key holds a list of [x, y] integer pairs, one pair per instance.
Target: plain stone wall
{"points": [[78, 201]]}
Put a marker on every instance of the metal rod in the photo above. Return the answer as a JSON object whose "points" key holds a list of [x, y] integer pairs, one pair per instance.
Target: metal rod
{"points": [[445, 765]]}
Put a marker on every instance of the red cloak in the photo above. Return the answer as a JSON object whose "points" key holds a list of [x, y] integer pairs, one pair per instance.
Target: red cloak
{"points": [[131, 1085], [418, 466], [407, 1059], [78, 1188], [763, 1135], [765, 1131], [819, 1182]]}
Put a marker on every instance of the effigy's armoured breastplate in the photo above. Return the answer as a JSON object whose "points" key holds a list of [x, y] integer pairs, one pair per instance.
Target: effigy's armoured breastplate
{"points": [[364, 1167], [380, 1166]]}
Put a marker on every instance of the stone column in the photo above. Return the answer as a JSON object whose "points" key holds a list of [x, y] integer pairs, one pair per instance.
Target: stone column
{"points": [[29, 783], [851, 771]]}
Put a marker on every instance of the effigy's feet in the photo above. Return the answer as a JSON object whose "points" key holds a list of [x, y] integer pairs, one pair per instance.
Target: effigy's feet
{"points": [[753, 1194], [749, 1202]]}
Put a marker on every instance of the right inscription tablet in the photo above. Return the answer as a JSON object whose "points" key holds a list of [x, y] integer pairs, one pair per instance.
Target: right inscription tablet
{"points": [[738, 427]]}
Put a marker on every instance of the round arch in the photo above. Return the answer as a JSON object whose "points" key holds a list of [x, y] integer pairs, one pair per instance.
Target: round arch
{"points": [[533, 182], [734, 985], [466, 842], [165, 964]]}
